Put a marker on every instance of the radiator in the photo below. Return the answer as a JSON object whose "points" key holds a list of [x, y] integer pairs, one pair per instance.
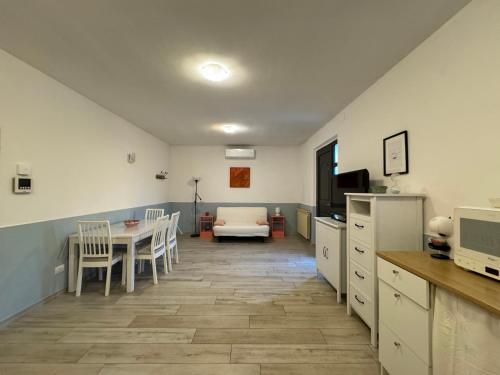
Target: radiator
{"points": [[304, 223]]}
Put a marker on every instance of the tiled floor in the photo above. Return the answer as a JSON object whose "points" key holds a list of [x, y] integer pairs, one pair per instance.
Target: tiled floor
{"points": [[235, 308]]}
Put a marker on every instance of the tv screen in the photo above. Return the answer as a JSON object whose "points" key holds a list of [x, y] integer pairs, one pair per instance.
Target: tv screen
{"points": [[349, 182]]}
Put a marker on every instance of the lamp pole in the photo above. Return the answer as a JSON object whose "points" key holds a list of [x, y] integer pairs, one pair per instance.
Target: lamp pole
{"points": [[196, 196]]}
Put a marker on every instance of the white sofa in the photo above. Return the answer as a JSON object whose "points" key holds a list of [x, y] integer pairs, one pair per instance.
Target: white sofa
{"points": [[241, 222]]}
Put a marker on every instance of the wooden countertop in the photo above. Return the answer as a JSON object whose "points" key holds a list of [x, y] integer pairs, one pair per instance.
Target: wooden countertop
{"points": [[473, 287]]}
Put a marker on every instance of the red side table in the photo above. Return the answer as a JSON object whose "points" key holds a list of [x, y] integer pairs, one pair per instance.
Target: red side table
{"points": [[278, 226], [206, 226]]}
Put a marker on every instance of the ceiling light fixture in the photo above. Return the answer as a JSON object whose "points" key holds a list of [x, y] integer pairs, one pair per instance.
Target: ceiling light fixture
{"points": [[229, 128], [214, 71]]}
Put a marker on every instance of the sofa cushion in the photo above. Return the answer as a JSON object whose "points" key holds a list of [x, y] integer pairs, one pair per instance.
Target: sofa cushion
{"points": [[248, 230]]}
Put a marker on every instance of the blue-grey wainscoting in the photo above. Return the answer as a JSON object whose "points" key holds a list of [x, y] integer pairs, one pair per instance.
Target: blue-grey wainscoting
{"points": [[30, 252], [186, 222]]}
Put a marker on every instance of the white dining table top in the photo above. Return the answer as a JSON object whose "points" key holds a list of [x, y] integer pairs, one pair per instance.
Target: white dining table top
{"points": [[120, 230]]}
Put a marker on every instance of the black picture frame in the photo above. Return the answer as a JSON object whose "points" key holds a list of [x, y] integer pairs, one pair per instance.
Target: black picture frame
{"points": [[402, 152]]}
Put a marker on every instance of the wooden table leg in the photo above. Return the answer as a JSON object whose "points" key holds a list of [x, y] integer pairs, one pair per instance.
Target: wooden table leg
{"points": [[130, 266], [72, 264]]}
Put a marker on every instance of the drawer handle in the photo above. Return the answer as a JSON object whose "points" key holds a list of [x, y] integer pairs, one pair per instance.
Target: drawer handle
{"points": [[395, 272], [359, 226], [397, 344], [358, 275], [326, 254], [397, 295], [359, 250], [357, 299]]}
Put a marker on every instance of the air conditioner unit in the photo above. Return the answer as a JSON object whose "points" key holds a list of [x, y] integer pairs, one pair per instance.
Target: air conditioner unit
{"points": [[240, 153]]}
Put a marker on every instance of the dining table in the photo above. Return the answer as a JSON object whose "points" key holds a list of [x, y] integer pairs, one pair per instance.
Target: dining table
{"points": [[121, 235]]}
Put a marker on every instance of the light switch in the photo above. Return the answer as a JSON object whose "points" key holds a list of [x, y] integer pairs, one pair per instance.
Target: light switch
{"points": [[23, 169]]}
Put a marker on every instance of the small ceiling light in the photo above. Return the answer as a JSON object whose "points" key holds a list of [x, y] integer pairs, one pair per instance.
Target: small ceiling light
{"points": [[229, 128], [214, 71]]}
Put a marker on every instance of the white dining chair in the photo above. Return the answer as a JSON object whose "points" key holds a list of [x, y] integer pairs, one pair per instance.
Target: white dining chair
{"points": [[96, 251], [154, 213], [172, 238], [151, 215], [157, 247]]}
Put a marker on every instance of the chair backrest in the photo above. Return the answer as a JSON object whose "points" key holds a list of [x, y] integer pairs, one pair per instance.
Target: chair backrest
{"points": [[159, 233], [95, 239], [154, 213], [172, 228]]}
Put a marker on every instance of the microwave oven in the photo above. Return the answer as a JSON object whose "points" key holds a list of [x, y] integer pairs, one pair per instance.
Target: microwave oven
{"points": [[477, 240]]}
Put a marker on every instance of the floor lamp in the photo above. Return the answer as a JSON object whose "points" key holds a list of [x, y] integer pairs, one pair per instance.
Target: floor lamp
{"points": [[196, 197]]}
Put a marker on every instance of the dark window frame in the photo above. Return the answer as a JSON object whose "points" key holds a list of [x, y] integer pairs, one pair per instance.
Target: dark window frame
{"points": [[332, 169]]}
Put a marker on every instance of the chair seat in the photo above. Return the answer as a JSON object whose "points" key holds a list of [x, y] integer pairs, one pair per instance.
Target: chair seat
{"points": [[102, 261], [146, 250]]}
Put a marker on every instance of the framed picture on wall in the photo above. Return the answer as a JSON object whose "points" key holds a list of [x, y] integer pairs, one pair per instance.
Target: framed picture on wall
{"points": [[239, 177], [396, 154]]}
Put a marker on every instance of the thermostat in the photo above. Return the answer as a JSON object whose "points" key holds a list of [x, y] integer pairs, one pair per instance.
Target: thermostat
{"points": [[22, 185]]}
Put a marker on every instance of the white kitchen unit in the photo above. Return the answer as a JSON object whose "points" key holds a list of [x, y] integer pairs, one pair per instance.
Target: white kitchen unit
{"points": [[419, 294], [405, 321], [331, 253], [377, 222]]}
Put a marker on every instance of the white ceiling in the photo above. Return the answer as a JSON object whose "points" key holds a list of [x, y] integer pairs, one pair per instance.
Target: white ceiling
{"points": [[295, 63]]}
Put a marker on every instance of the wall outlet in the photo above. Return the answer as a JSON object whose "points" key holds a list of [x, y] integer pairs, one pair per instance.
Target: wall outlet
{"points": [[59, 269]]}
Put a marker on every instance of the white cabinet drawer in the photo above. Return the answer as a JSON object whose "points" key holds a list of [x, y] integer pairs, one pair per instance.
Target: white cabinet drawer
{"points": [[361, 304], [408, 320], [362, 254], [360, 278], [360, 230], [396, 357], [407, 283]]}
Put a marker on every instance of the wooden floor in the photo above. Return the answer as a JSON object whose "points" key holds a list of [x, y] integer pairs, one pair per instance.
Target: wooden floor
{"points": [[235, 308]]}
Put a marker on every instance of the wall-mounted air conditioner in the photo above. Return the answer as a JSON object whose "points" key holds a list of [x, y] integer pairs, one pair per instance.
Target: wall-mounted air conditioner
{"points": [[240, 153]]}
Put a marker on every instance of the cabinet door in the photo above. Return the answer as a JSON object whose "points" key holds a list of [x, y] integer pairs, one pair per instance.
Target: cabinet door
{"points": [[320, 247], [332, 255]]}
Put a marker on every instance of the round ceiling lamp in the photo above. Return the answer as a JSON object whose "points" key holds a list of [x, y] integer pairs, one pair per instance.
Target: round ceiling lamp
{"points": [[214, 71]]}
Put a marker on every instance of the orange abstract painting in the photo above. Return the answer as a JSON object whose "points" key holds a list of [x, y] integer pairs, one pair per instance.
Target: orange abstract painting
{"points": [[239, 177]]}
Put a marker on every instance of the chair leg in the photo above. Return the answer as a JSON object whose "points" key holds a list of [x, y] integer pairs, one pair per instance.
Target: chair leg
{"points": [[165, 265], [108, 281], [169, 258], [79, 278], [124, 270], [176, 253], [153, 266], [99, 273]]}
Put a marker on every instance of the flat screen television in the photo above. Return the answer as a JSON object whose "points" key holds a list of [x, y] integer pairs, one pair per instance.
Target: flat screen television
{"points": [[349, 182]]}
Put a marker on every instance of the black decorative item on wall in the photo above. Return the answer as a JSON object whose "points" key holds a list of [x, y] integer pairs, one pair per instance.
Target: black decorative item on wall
{"points": [[396, 154], [162, 175]]}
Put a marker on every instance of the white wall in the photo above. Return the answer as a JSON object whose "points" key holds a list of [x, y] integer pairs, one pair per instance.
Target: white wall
{"points": [[446, 93], [77, 149], [274, 175]]}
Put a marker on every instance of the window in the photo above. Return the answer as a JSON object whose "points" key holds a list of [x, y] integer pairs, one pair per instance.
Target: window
{"points": [[335, 163], [327, 161]]}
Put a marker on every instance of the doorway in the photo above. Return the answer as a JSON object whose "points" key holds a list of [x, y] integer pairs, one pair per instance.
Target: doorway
{"points": [[326, 168]]}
